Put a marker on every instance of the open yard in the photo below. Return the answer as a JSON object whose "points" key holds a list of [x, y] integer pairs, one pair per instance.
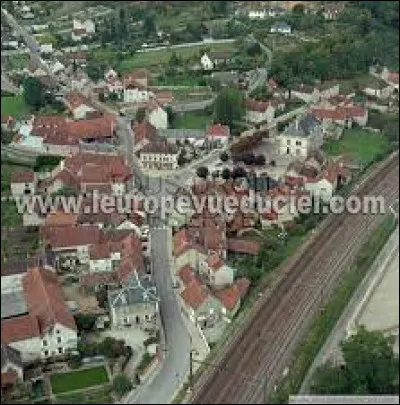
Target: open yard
{"points": [[192, 120], [92, 396], [76, 380], [362, 145], [18, 61], [161, 57], [14, 105]]}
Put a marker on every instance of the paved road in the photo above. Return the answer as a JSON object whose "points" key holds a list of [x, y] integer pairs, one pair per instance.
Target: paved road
{"points": [[169, 379]]}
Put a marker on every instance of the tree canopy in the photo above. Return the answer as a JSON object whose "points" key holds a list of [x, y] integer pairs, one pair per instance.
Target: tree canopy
{"points": [[370, 367], [229, 106], [34, 93]]}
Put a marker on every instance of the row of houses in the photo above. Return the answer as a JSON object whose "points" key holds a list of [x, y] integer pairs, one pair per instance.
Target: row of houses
{"points": [[159, 149]]}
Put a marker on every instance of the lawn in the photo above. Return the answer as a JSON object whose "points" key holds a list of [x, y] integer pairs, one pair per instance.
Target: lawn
{"points": [[7, 169], [362, 145], [80, 379], [162, 57], [92, 396], [14, 105], [191, 120], [19, 61]]}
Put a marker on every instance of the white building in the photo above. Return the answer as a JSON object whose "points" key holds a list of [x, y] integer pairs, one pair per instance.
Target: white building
{"points": [[301, 136], [156, 115], [48, 329], [259, 111], [23, 183], [206, 62], [216, 273], [159, 155], [136, 93], [86, 25], [100, 258], [281, 28], [46, 48], [257, 14]]}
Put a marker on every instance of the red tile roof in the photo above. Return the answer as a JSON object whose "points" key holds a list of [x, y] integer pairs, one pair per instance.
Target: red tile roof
{"points": [[19, 328], [144, 131], [27, 176], [60, 218], [99, 251], [182, 240], [229, 297], [9, 378], [164, 96], [76, 99], [254, 105], [218, 131], [393, 77], [334, 114], [243, 246], [139, 76], [45, 299], [73, 236], [187, 275], [101, 127], [160, 147], [195, 294]]}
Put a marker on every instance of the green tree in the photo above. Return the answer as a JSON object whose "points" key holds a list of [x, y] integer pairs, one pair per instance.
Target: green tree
{"points": [[140, 114], [229, 106], [149, 24], [370, 367], [202, 172], [33, 93], [85, 322], [122, 384], [226, 173], [224, 156]]}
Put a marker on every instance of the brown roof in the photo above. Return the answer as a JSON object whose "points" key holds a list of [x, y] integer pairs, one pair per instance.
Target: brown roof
{"points": [[13, 267], [160, 147], [27, 176], [144, 131], [187, 275], [76, 99], [45, 299], [229, 297], [218, 130], [254, 105], [19, 328], [9, 378], [243, 246], [73, 236], [99, 251], [60, 218], [243, 285], [195, 294]]}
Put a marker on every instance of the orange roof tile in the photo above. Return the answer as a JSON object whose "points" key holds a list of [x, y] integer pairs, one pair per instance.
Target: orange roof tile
{"points": [[19, 328], [229, 297]]}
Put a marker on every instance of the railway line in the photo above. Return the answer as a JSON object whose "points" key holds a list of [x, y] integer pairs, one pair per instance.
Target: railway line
{"points": [[252, 363]]}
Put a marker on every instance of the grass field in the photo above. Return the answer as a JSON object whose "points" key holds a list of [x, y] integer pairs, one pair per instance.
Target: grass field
{"points": [[7, 169], [18, 61], [92, 396], [362, 145], [14, 105], [192, 120], [162, 57], [80, 379]]}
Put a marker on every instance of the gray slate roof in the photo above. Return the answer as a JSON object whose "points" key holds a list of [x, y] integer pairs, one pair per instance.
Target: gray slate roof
{"points": [[303, 126], [13, 304], [140, 289], [8, 354]]}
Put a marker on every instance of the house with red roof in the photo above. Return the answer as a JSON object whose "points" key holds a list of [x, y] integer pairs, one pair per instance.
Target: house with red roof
{"points": [[7, 122], [12, 370], [136, 88], [79, 106], [218, 133], [23, 183], [48, 328], [259, 111], [215, 272]]}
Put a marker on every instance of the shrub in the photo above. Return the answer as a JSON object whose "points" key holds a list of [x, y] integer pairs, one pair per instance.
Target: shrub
{"points": [[121, 385]]}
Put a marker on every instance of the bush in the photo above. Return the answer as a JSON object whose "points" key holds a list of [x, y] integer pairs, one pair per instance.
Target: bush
{"points": [[74, 361], [121, 385], [146, 360], [46, 163], [85, 323], [202, 172], [224, 156]]}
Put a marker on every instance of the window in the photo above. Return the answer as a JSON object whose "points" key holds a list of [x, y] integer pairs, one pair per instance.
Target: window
{"points": [[58, 339], [46, 353], [57, 331], [298, 143], [288, 141], [44, 342], [60, 350]]}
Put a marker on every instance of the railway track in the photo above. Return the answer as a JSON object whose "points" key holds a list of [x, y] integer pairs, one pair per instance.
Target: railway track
{"points": [[254, 360]]}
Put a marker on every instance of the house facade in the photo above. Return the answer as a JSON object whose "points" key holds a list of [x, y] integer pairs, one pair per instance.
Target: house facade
{"points": [[23, 184], [159, 155], [259, 111], [301, 136], [216, 273]]}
